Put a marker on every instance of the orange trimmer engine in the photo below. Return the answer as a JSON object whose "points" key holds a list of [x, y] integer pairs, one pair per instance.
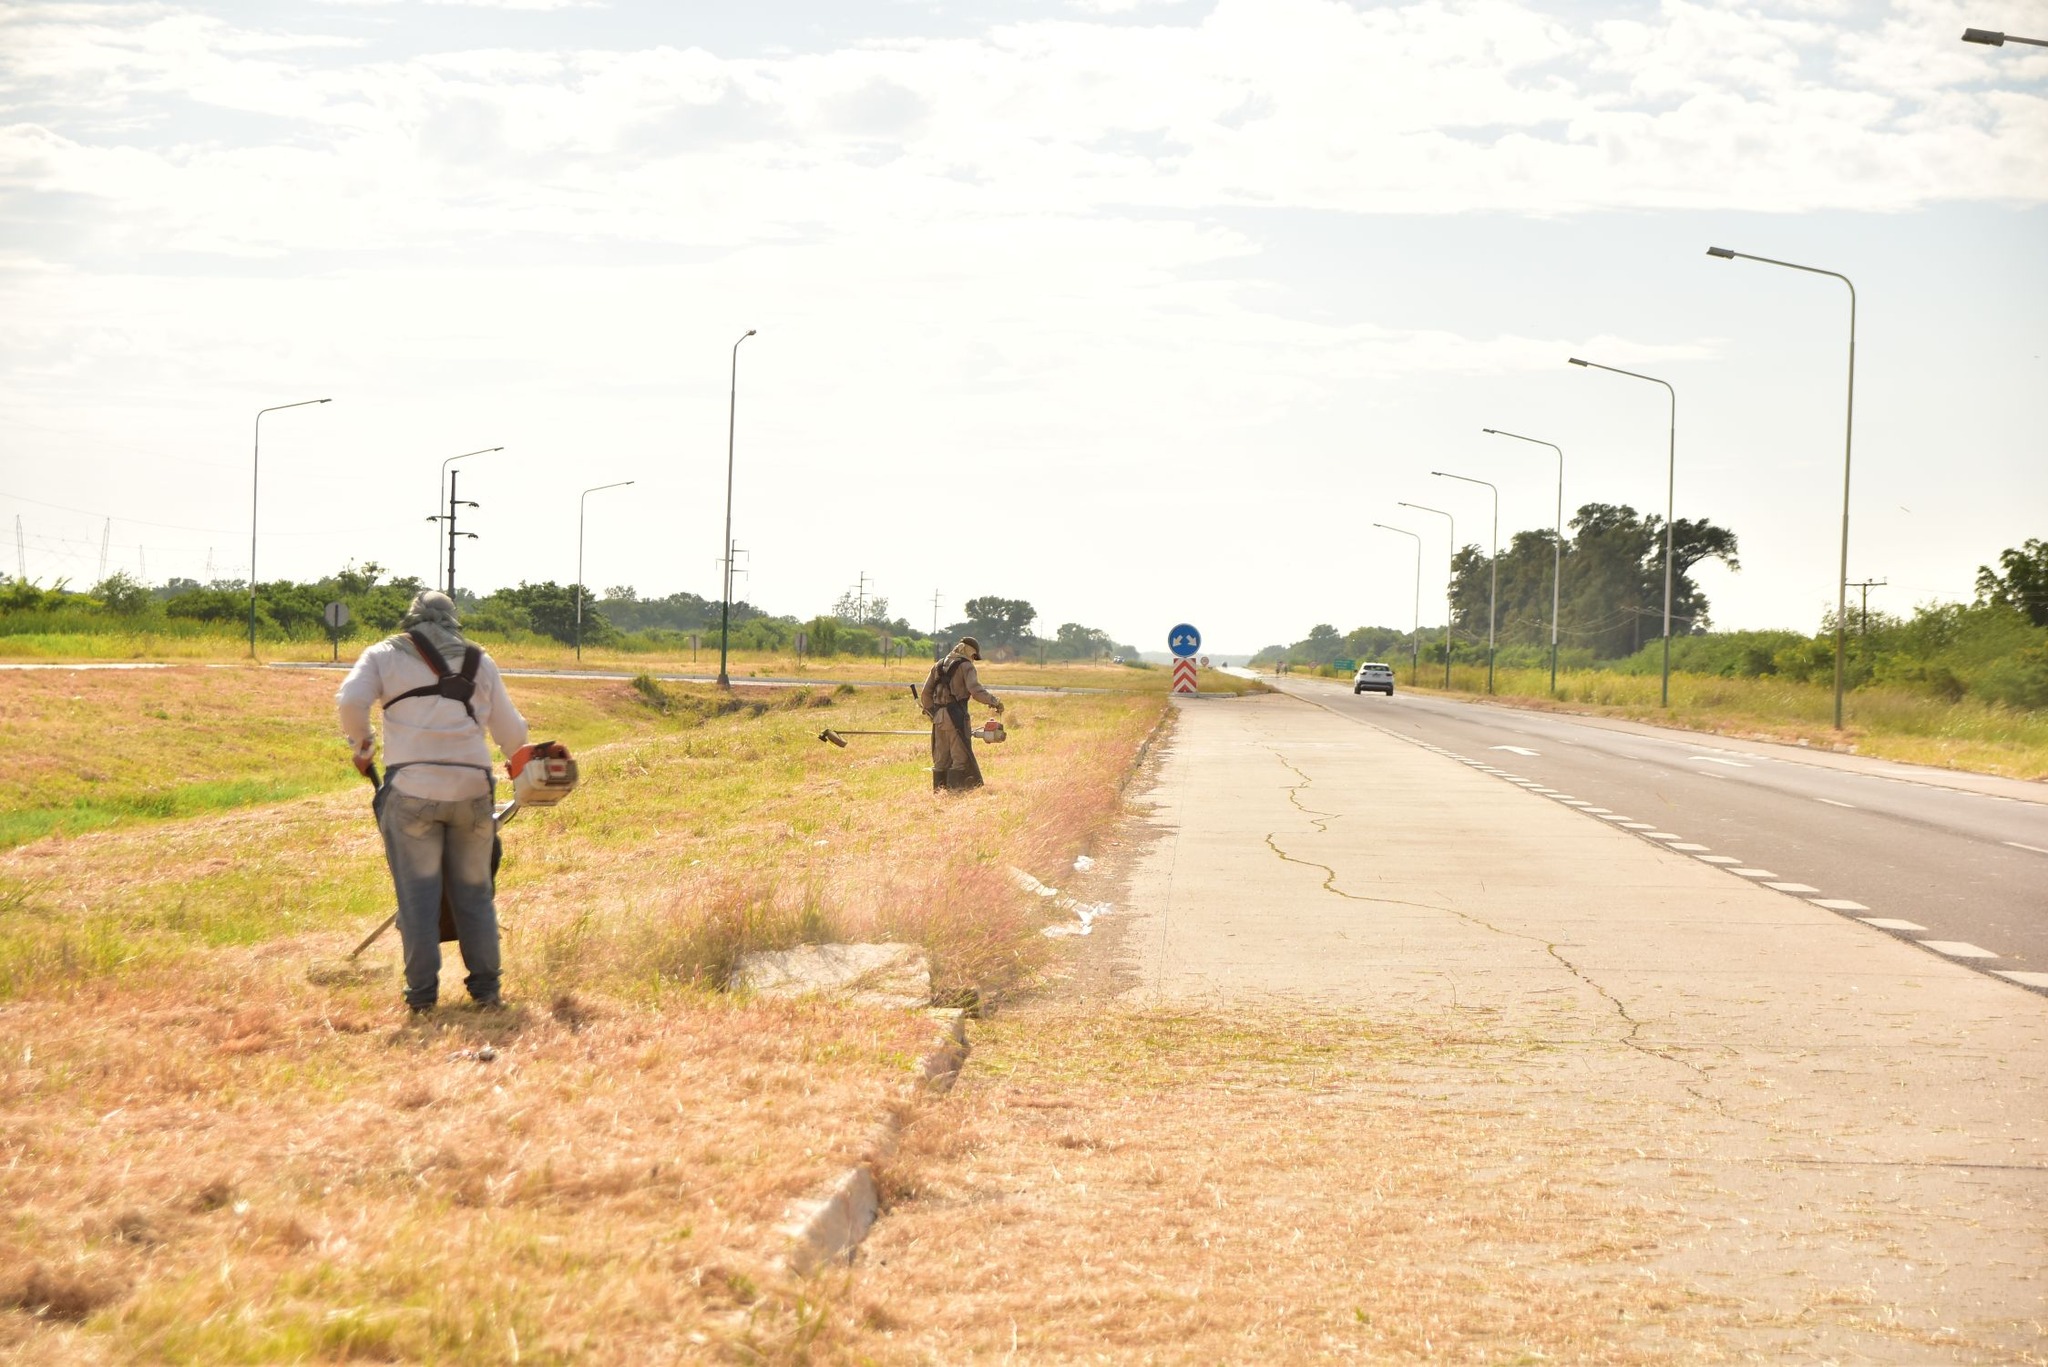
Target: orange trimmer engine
{"points": [[542, 774], [991, 732]]}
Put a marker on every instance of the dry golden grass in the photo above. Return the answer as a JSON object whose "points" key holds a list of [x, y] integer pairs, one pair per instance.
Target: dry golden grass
{"points": [[1161, 1187], [238, 1167]]}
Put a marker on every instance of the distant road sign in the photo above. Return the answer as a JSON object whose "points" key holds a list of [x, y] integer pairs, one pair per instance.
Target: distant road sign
{"points": [[1205, 662], [1183, 641], [336, 615], [1346, 665]]}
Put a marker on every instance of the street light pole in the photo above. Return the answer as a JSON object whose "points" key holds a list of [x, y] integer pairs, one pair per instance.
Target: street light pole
{"points": [[1848, 443], [255, 469], [1415, 631], [1557, 541], [441, 497], [725, 606], [1493, 592], [596, 488], [1670, 492], [1447, 582]]}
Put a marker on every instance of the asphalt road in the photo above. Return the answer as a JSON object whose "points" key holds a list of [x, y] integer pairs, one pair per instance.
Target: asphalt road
{"points": [[1956, 863]]}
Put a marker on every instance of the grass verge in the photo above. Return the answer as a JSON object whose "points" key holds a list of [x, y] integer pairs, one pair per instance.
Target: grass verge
{"points": [[207, 1158]]}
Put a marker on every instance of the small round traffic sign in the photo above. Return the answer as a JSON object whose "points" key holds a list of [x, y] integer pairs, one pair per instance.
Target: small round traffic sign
{"points": [[1183, 641], [336, 615]]}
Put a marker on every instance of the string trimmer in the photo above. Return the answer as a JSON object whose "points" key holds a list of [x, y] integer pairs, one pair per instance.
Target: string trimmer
{"points": [[542, 775]]}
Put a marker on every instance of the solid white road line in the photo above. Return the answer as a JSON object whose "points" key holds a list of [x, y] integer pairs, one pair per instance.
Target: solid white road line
{"points": [[1634, 825], [1958, 949], [1715, 759], [1793, 887], [1516, 749], [1887, 923], [1832, 803], [2030, 979], [1663, 835], [1719, 859], [1688, 848], [1753, 873], [1839, 904], [2031, 849]]}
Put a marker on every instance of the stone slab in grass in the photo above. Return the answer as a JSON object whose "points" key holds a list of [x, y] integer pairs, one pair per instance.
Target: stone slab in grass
{"points": [[864, 975]]}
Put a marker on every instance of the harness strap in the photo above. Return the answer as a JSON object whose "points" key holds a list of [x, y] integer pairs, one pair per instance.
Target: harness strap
{"points": [[472, 660]]}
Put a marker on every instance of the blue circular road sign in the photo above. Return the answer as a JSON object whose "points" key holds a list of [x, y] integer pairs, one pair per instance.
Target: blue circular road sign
{"points": [[1183, 641]]}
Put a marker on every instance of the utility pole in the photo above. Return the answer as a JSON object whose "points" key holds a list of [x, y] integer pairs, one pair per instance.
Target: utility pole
{"points": [[106, 538], [1866, 585], [449, 518], [860, 600], [935, 615], [20, 551]]}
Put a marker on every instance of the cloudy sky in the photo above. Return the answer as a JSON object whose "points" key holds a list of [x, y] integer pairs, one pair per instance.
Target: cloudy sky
{"points": [[1144, 310]]}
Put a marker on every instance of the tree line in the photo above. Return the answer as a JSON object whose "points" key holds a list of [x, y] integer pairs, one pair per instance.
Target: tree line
{"points": [[293, 610]]}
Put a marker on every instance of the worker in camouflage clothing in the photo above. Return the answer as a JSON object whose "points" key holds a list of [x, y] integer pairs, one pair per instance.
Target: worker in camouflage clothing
{"points": [[944, 699]]}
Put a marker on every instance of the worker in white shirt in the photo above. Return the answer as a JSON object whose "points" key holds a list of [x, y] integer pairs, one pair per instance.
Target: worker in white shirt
{"points": [[441, 697]]}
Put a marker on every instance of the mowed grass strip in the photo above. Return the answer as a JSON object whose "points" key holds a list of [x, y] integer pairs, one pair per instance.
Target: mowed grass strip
{"points": [[209, 1158], [237, 1167]]}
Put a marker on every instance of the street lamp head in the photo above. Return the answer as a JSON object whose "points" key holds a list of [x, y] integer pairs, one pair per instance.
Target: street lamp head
{"points": [[1491, 431], [1985, 36], [323, 401], [1576, 361], [1721, 252], [752, 331], [1438, 473]]}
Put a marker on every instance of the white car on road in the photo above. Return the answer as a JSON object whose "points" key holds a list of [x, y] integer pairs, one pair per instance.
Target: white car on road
{"points": [[1374, 678]]}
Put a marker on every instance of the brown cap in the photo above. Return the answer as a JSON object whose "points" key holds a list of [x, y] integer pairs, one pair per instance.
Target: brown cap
{"points": [[973, 647]]}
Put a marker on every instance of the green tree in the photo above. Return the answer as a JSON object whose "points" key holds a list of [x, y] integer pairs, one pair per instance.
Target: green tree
{"points": [[2022, 583], [1076, 642], [999, 622], [122, 594]]}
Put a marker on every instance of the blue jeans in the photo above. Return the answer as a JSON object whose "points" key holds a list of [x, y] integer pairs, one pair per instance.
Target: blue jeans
{"points": [[427, 842]]}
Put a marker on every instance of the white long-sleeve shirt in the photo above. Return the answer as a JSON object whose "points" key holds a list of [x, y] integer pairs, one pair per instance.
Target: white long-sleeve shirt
{"points": [[432, 737]]}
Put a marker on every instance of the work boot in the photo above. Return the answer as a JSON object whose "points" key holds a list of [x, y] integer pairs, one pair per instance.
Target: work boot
{"points": [[938, 780], [494, 1002], [419, 1008]]}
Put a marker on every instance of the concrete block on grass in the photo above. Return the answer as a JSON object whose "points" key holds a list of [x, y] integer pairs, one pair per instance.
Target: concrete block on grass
{"points": [[896, 975]]}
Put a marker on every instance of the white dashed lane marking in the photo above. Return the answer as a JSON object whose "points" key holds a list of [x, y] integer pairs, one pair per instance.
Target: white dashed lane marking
{"points": [[1958, 949], [1953, 949]]}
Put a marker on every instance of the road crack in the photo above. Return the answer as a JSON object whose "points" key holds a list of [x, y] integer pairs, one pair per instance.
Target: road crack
{"points": [[1629, 1037]]}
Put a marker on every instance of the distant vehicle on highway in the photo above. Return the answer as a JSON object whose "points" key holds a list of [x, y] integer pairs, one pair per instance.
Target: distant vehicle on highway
{"points": [[1373, 678]]}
